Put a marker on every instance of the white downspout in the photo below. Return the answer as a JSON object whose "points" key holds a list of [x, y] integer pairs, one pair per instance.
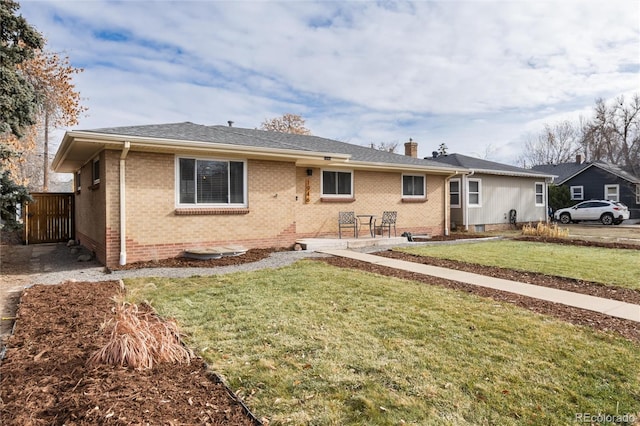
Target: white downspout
{"points": [[123, 206], [465, 200]]}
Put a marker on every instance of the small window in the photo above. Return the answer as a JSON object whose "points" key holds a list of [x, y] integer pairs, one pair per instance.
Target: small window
{"points": [[337, 184], [95, 173], [577, 193], [413, 186], [78, 183], [454, 193], [539, 194], [474, 192], [612, 192], [211, 182], [638, 193]]}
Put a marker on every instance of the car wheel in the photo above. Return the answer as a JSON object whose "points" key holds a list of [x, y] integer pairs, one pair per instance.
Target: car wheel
{"points": [[606, 219], [565, 218]]}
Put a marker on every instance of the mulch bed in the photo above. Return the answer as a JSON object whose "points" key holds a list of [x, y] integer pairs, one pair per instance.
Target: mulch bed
{"points": [[580, 242], [44, 378], [252, 255]]}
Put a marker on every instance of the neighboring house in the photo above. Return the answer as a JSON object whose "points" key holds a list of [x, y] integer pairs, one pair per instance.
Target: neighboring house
{"points": [[151, 192], [597, 180], [483, 199]]}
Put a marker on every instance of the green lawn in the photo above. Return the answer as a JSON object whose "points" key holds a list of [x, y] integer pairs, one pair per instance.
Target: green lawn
{"points": [[603, 265], [319, 345]]}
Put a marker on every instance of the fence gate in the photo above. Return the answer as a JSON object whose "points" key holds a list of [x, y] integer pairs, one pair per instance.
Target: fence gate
{"points": [[49, 218]]}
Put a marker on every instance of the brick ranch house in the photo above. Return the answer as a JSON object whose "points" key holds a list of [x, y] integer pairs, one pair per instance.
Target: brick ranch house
{"points": [[151, 192]]}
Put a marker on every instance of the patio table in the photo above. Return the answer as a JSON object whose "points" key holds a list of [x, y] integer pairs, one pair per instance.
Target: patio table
{"points": [[371, 218]]}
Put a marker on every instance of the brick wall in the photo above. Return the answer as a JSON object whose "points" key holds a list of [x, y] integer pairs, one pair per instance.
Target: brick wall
{"points": [[276, 214], [374, 192], [90, 211], [155, 231]]}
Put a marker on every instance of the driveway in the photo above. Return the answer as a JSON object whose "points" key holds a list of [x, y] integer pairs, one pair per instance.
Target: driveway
{"points": [[595, 231]]}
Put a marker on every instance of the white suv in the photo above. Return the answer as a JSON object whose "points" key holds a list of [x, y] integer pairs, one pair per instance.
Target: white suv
{"points": [[607, 212]]}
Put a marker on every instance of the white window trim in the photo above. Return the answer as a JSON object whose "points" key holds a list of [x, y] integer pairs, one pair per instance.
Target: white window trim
{"points": [[211, 205], [323, 195], [424, 187], [581, 196], [479, 193], [606, 191], [536, 193], [96, 180], [638, 193], [456, 206]]}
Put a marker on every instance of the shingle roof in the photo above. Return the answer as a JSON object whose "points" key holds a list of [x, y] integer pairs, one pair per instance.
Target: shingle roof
{"points": [[561, 170], [263, 139], [486, 166], [566, 171]]}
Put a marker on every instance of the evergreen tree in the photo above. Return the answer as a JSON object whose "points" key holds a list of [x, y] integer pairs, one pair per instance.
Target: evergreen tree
{"points": [[559, 197], [18, 41]]}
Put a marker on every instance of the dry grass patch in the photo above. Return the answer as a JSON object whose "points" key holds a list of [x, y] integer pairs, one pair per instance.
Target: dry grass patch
{"points": [[140, 339], [319, 345], [549, 230]]}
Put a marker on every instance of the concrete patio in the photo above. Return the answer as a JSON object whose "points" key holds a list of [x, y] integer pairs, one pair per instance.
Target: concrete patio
{"points": [[318, 244]]}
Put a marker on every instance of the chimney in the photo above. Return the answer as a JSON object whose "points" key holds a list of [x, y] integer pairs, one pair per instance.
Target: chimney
{"points": [[411, 148], [230, 123], [579, 158]]}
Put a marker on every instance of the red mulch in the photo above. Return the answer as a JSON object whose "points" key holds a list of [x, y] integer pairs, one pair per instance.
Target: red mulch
{"points": [[580, 242], [44, 378], [252, 255]]}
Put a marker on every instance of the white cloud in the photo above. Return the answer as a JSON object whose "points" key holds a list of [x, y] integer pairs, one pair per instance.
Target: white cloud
{"points": [[472, 74]]}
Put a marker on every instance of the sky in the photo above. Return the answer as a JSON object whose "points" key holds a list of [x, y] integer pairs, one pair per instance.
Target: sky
{"points": [[480, 76]]}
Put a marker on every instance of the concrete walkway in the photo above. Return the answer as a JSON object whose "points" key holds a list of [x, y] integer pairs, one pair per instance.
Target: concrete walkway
{"points": [[609, 307]]}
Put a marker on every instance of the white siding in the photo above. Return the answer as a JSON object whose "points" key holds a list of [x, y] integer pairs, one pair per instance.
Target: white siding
{"points": [[503, 193]]}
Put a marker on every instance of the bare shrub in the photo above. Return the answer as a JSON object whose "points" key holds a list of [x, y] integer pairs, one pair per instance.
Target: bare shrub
{"points": [[140, 339], [545, 230]]}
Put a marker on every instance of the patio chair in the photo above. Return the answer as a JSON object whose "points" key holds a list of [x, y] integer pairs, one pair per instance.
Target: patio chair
{"points": [[347, 220], [388, 220]]}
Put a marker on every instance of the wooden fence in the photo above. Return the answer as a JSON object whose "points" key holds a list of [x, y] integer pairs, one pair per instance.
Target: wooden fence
{"points": [[49, 218]]}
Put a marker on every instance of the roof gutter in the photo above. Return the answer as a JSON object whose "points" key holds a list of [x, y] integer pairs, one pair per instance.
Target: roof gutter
{"points": [[123, 204], [510, 173], [301, 158], [63, 151], [155, 143], [401, 167]]}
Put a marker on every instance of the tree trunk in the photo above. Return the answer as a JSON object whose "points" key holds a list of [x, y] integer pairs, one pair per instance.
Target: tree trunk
{"points": [[45, 175]]}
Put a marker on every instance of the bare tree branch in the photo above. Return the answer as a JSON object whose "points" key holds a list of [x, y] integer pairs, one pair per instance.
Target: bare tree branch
{"points": [[288, 123], [555, 144]]}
